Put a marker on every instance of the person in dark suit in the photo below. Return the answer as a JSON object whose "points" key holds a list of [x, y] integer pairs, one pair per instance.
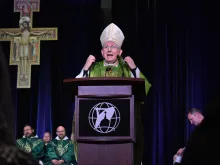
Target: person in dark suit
{"points": [[195, 117], [203, 145]]}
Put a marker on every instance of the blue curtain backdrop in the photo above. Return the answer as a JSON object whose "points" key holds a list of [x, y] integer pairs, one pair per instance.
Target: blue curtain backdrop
{"points": [[44, 113], [174, 43]]}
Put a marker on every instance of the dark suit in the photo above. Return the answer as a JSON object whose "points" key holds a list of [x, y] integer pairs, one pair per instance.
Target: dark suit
{"points": [[204, 144]]}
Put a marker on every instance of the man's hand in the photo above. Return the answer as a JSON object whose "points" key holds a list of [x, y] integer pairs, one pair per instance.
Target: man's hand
{"points": [[180, 151], [130, 62], [54, 161], [174, 157], [89, 62]]}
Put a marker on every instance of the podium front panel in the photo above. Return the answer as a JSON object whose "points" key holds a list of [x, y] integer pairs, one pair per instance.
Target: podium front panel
{"points": [[105, 119]]}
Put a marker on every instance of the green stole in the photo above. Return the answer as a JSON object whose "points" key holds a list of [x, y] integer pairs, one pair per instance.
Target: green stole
{"points": [[100, 70]]}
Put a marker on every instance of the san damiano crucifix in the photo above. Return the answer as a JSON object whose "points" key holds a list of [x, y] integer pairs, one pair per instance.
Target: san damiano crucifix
{"points": [[25, 40]]}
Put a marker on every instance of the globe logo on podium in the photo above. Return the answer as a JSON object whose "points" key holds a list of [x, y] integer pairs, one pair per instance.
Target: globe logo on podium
{"points": [[104, 117]]}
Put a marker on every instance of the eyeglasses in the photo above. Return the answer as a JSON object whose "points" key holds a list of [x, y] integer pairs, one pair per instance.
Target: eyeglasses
{"points": [[111, 47]]}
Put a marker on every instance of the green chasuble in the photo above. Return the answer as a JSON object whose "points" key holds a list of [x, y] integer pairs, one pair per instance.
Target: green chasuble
{"points": [[98, 69], [121, 70], [32, 145], [60, 149]]}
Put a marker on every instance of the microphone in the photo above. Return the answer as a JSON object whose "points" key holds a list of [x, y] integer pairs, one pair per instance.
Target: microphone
{"points": [[108, 69]]}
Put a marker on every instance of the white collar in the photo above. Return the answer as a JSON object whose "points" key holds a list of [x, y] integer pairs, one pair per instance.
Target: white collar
{"points": [[31, 136], [114, 64], [65, 138]]}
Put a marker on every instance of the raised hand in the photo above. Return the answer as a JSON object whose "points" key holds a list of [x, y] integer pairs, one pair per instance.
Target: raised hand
{"points": [[130, 62], [180, 151], [89, 62]]}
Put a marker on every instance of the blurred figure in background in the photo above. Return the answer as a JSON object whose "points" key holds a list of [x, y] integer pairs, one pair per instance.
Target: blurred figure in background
{"points": [[9, 153]]}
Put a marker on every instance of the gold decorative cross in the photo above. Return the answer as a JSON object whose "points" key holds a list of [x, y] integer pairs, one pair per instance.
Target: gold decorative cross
{"points": [[25, 41]]}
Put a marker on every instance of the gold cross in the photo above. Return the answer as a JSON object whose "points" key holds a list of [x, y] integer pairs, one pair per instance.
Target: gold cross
{"points": [[25, 41]]}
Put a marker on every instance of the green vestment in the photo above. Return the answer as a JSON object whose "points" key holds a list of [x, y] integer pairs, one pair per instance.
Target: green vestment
{"points": [[98, 69], [121, 70], [32, 145], [60, 150]]}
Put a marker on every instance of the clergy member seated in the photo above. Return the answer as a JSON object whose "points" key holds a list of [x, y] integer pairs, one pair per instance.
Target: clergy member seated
{"points": [[60, 150], [113, 65], [47, 138], [31, 144]]}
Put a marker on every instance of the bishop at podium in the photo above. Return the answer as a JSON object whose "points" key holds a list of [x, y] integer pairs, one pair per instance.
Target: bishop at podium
{"points": [[113, 65]]}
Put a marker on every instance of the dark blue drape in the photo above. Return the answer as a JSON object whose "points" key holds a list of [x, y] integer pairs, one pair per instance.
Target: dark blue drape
{"points": [[173, 43], [180, 79], [44, 113], [168, 39]]}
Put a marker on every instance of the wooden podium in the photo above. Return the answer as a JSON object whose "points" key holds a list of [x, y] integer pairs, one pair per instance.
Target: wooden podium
{"points": [[105, 118]]}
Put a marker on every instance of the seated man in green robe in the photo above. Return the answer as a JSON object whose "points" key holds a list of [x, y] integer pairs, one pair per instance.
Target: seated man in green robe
{"points": [[31, 144], [114, 65], [60, 150]]}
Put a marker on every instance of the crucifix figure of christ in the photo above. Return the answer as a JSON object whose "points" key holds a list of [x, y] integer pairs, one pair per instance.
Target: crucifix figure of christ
{"points": [[25, 41]]}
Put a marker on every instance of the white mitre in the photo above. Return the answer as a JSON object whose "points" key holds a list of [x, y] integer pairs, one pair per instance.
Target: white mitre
{"points": [[112, 33]]}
